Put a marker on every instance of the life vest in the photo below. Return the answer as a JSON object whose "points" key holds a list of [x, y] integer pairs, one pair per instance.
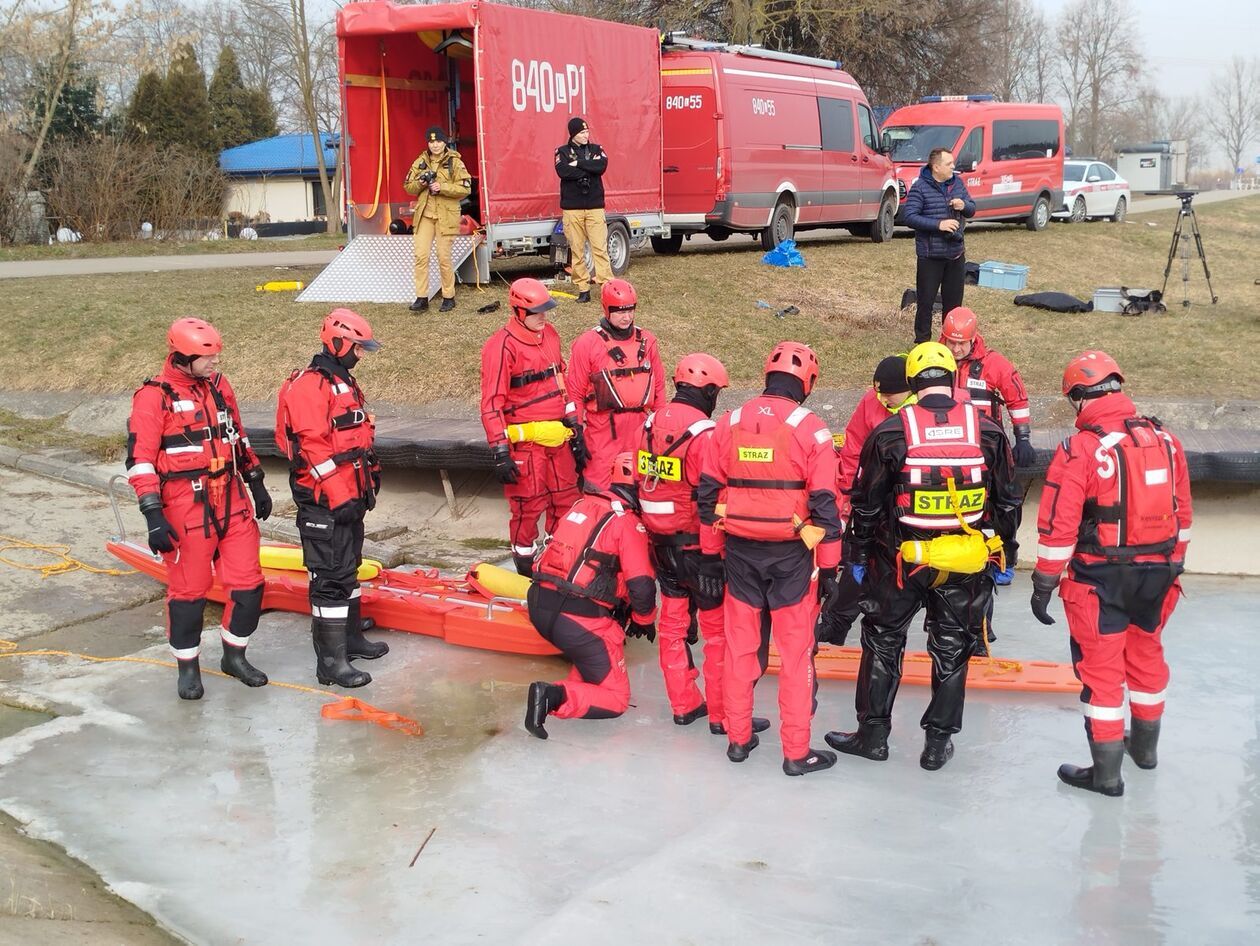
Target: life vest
{"points": [[667, 502], [767, 495], [974, 387], [569, 560], [352, 432], [941, 446], [1135, 511], [627, 385]]}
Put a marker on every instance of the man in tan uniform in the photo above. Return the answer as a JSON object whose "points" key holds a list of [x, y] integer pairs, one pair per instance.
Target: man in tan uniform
{"points": [[439, 181], [580, 165]]}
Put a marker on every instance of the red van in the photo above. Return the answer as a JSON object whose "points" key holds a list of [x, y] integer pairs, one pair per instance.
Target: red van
{"points": [[767, 143], [1009, 153]]}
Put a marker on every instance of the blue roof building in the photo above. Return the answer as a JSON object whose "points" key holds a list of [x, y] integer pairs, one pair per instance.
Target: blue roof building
{"points": [[292, 155], [276, 180]]}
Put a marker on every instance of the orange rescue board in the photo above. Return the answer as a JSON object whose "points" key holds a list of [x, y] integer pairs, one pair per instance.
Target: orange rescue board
{"points": [[985, 673]]}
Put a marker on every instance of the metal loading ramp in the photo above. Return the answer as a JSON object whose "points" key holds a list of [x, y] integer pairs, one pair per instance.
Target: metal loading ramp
{"points": [[380, 268]]}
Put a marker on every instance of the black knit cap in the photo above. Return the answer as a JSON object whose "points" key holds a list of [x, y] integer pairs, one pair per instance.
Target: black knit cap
{"points": [[576, 125], [890, 375], [435, 133]]}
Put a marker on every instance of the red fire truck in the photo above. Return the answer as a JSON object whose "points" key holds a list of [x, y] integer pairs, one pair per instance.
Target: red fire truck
{"points": [[504, 82], [1009, 153], [767, 143]]}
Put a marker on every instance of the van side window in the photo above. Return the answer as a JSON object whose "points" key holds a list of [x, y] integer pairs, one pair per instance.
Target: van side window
{"points": [[835, 117], [972, 150], [1014, 139], [867, 121]]}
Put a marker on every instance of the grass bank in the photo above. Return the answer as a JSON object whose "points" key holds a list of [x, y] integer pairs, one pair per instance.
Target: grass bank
{"points": [[322, 241]]}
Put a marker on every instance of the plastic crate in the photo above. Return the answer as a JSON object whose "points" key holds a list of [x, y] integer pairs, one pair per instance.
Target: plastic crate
{"points": [[995, 275]]}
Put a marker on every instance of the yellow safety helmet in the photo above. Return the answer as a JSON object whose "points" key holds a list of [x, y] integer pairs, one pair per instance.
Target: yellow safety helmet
{"points": [[929, 363]]}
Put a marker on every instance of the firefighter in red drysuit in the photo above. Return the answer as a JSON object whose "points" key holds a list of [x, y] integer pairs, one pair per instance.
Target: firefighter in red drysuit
{"points": [[936, 462], [1116, 512], [770, 484], [594, 567], [615, 379], [522, 380], [671, 455], [889, 390], [189, 461], [323, 425]]}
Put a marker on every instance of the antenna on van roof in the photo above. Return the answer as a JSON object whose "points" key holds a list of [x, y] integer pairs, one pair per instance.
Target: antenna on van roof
{"points": [[756, 52]]}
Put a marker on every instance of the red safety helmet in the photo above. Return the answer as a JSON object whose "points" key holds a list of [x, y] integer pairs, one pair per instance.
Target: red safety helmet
{"points": [[348, 325], [699, 369], [959, 325], [795, 359], [194, 338], [623, 470], [618, 296], [1088, 373], [529, 297]]}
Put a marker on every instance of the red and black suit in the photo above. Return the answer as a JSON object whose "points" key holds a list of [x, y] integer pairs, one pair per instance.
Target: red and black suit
{"points": [[323, 425], [186, 445], [616, 379], [522, 379], [594, 567], [902, 493], [671, 455], [1116, 513], [772, 469]]}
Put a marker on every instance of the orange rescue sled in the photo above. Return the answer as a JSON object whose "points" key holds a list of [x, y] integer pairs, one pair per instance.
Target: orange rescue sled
{"points": [[985, 673]]}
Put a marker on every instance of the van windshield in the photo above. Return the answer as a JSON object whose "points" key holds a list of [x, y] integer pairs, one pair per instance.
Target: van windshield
{"points": [[913, 143], [1074, 172]]}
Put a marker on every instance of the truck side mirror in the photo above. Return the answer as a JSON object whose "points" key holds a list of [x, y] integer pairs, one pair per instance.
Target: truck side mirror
{"points": [[885, 144]]}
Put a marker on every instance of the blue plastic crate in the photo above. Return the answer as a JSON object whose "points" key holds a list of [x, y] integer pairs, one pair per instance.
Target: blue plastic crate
{"points": [[995, 275]]}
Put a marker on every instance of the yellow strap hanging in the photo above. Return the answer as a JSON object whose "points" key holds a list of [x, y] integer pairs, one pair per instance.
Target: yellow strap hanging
{"points": [[382, 157]]}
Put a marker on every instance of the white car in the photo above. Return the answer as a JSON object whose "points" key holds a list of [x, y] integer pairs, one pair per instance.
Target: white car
{"points": [[1093, 189]]}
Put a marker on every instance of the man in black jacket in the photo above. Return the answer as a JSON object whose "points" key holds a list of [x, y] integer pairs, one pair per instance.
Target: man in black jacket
{"points": [[936, 206], [580, 165]]}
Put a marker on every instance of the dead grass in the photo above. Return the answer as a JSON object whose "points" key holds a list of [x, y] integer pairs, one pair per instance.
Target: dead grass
{"points": [[105, 333], [322, 241], [26, 433]]}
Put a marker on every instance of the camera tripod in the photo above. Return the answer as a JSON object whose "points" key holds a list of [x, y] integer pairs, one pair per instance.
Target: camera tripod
{"points": [[1187, 210]]}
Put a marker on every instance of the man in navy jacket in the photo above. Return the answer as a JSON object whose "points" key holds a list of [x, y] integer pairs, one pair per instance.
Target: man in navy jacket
{"points": [[936, 206]]}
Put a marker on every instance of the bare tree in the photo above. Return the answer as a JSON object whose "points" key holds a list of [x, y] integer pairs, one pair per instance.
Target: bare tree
{"points": [[1100, 67], [1016, 36], [1233, 112], [1182, 119]]}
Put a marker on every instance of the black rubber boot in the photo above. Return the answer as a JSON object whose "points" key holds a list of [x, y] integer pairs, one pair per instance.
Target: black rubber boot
{"points": [[1103, 776], [686, 719], [420, 305], [584, 296], [235, 664], [189, 685], [737, 752], [759, 724], [447, 304], [869, 742], [544, 698], [356, 644], [524, 564], [1141, 742], [331, 664], [937, 750], [815, 761]]}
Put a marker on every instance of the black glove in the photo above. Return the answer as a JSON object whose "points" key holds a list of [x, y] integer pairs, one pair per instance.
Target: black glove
{"points": [[1025, 455], [711, 577], [376, 480], [348, 512], [162, 538], [262, 499], [505, 469], [1043, 585], [828, 587], [637, 629], [577, 443]]}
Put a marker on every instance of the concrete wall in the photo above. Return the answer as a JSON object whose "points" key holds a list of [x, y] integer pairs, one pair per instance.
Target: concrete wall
{"points": [[284, 198]]}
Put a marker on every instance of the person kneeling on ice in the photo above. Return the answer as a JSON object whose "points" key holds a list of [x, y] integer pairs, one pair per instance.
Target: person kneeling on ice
{"points": [[593, 566], [189, 461]]}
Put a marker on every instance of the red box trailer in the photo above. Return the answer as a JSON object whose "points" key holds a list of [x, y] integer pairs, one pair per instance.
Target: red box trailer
{"points": [[1009, 153], [504, 82], [767, 143]]}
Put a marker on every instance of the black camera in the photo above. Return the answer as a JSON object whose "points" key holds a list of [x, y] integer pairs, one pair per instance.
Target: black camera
{"points": [[428, 177]]}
